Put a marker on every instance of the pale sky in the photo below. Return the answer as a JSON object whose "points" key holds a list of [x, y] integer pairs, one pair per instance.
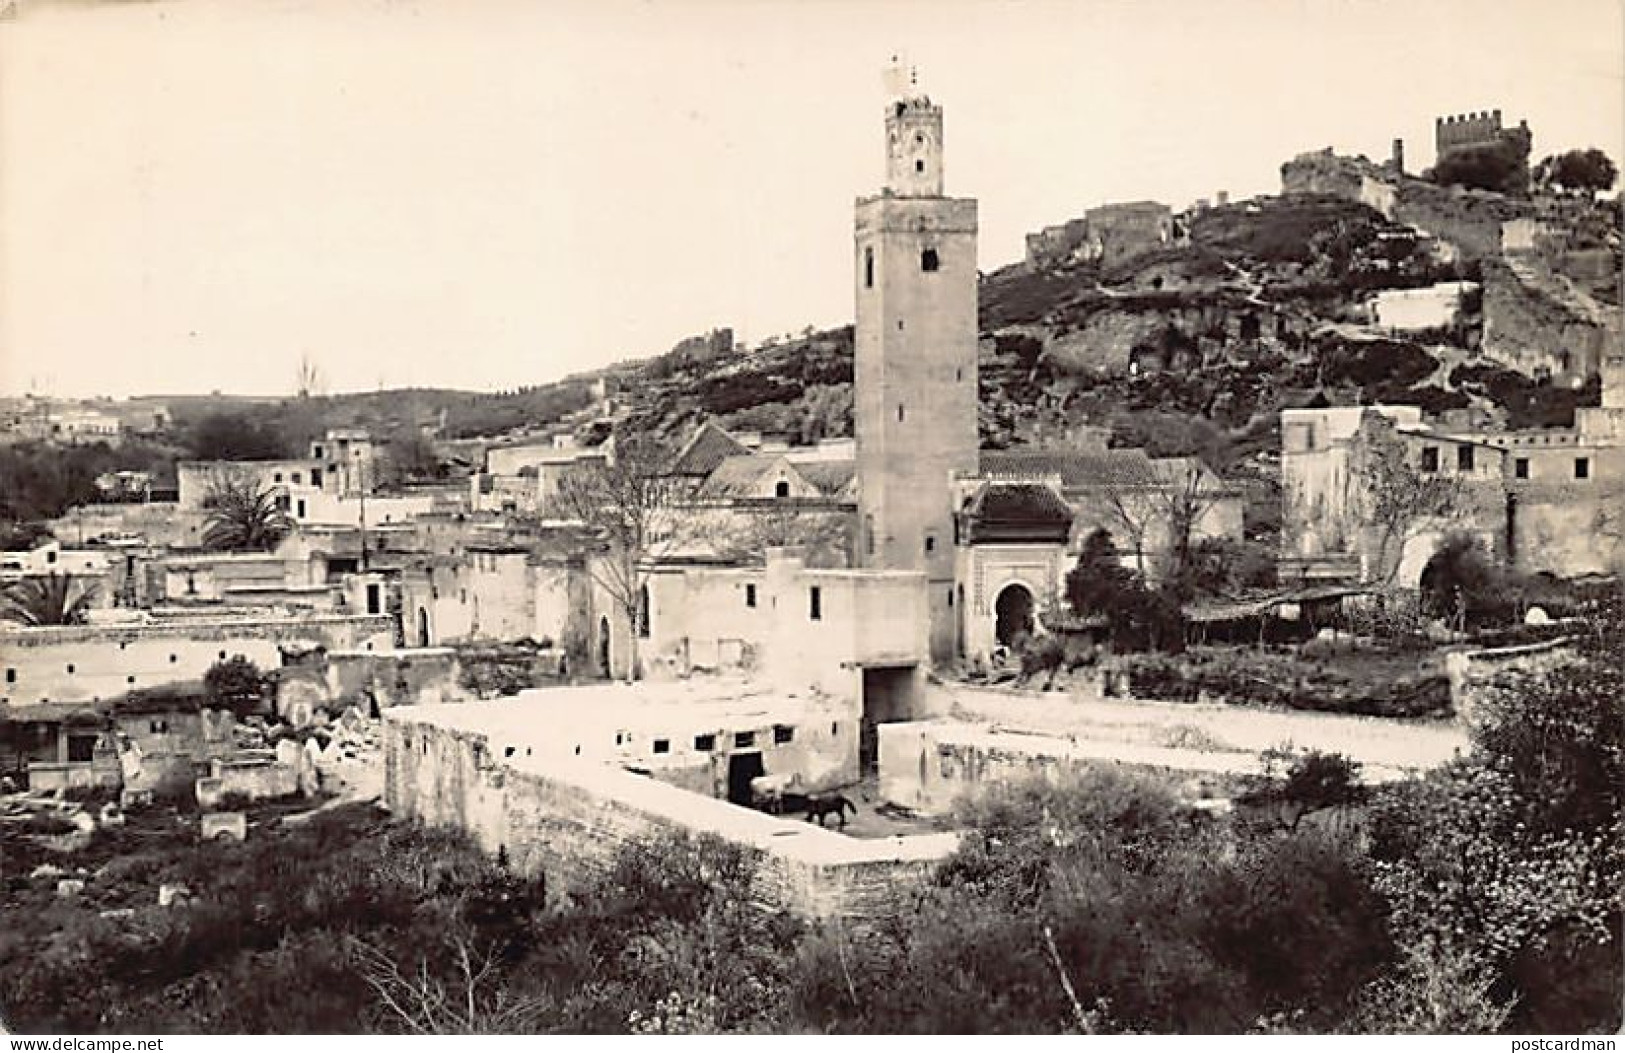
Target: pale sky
{"points": [[484, 194]]}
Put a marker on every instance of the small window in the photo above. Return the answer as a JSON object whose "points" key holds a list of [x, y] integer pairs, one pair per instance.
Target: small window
{"points": [[507, 751], [950, 597], [130, 680], [1520, 468], [11, 676], [835, 728], [705, 743], [173, 659], [815, 603], [750, 595], [81, 749], [1430, 458], [919, 166], [783, 734], [316, 450], [929, 260], [744, 740], [781, 489], [301, 512], [50, 557], [930, 542], [1582, 467], [222, 655], [662, 745], [276, 477], [158, 727], [868, 268], [295, 478], [70, 668], [1464, 458], [900, 412]]}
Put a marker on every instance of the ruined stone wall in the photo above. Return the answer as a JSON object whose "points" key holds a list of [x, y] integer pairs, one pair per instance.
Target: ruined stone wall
{"points": [[567, 819], [160, 523], [1535, 326]]}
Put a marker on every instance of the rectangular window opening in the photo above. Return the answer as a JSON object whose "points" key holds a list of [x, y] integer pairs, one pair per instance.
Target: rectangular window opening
{"points": [[815, 603], [662, 745], [1582, 467], [705, 743], [929, 261], [1430, 458], [744, 739], [783, 734], [1464, 458], [750, 595], [1520, 468]]}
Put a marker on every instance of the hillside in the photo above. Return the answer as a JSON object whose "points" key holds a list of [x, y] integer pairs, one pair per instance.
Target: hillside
{"points": [[1191, 347]]}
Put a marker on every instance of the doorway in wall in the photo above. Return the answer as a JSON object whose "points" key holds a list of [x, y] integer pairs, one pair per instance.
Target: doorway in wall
{"points": [[1013, 615], [742, 768], [888, 696]]}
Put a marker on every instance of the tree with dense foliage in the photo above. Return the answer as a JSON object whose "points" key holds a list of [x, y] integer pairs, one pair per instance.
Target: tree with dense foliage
{"points": [[1501, 167], [1506, 865], [1589, 170], [242, 516], [1140, 618], [232, 436], [236, 684], [51, 599]]}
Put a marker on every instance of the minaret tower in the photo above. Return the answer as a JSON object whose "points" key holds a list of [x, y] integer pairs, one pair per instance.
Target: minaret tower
{"points": [[916, 336]]}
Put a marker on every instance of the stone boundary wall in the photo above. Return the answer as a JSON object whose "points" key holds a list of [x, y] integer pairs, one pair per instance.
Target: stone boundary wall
{"points": [[566, 818], [1473, 673]]}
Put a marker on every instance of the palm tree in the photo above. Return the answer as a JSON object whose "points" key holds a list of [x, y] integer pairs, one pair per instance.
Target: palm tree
{"points": [[55, 599], [242, 516]]}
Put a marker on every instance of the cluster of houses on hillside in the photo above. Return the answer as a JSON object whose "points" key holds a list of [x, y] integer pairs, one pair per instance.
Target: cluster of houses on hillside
{"points": [[846, 569]]}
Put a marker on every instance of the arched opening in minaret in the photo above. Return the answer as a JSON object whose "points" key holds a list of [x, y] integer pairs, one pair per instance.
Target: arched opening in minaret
{"points": [[868, 268], [1013, 615]]}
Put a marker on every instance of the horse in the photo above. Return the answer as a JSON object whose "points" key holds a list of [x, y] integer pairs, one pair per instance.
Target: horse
{"points": [[768, 792], [820, 805]]}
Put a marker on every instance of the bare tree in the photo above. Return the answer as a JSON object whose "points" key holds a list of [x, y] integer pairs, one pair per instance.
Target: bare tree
{"points": [[1394, 502], [310, 381], [472, 1002], [1172, 502], [1183, 497], [629, 504], [822, 530]]}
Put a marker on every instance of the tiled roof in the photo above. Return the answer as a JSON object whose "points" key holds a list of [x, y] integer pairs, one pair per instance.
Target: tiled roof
{"points": [[1076, 468], [708, 448], [1019, 503], [830, 477], [735, 476]]}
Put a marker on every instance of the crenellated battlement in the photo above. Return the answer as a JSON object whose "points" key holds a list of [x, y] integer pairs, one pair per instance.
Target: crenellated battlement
{"points": [[1465, 131]]}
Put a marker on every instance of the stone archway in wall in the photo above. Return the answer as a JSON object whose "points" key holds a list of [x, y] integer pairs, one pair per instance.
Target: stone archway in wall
{"points": [[1013, 614], [603, 647]]}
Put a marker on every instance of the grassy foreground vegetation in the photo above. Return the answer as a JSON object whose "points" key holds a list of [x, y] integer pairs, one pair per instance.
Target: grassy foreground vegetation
{"points": [[1484, 897]]}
